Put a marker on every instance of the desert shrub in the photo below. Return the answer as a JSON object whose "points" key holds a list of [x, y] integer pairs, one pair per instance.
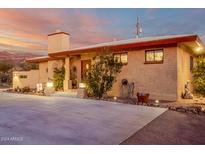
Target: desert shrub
{"points": [[26, 89], [28, 66], [199, 76], [58, 78], [101, 75]]}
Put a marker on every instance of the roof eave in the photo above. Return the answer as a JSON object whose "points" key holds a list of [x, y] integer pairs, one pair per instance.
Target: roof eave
{"points": [[129, 45], [36, 60]]}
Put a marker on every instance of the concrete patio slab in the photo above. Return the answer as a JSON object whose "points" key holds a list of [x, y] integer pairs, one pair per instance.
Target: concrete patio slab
{"points": [[27, 119]]}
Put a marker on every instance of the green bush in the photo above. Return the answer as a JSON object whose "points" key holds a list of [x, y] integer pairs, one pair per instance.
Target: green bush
{"points": [[58, 78], [26, 89], [101, 75], [5, 66], [199, 76], [28, 66]]}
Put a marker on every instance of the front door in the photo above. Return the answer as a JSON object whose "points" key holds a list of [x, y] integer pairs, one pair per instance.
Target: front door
{"points": [[85, 64]]}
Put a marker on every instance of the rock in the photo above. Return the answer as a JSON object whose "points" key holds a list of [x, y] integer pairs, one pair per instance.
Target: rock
{"points": [[195, 111], [156, 105], [150, 104], [139, 103], [172, 108], [181, 109]]}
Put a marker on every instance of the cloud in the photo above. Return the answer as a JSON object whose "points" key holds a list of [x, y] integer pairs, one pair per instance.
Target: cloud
{"points": [[27, 29]]}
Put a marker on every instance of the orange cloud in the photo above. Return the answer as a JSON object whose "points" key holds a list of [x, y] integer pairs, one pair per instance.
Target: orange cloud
{"points": [[7, 41], [28, 28]]}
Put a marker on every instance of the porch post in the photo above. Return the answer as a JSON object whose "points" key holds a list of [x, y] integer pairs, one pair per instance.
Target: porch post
{"points": [[67, 84]]}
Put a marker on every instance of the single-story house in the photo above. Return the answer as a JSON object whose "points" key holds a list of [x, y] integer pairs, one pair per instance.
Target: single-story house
{"points": [[159, 65]]}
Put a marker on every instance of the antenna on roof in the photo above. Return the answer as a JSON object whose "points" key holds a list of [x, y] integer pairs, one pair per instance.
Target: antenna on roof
{"points": [[138, 28]]}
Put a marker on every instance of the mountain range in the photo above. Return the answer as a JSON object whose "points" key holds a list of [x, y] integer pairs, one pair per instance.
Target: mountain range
{"points": [[13, 57]]}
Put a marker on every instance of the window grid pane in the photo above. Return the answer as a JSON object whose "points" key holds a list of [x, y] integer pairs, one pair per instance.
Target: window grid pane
{"points": [[158, 56], [121, 58], [124, 58], [154, 55], [117, 58], [149, 56]]}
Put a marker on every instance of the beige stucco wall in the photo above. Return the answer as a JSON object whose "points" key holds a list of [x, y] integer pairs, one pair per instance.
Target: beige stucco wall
{"points": [[88, 56], [58, 42], [54, 64], [163, 81], [184, 72], [31, 80], [43, 73], [160, 80]]}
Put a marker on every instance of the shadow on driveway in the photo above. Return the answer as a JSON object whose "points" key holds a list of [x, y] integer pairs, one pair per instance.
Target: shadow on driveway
{"points": [[171, 128]]}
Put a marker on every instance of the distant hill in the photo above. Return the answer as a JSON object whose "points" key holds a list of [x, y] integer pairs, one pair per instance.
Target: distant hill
{"points": [[15, 57]]}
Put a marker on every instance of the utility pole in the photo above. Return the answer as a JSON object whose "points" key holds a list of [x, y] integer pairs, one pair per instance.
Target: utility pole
{"points": [[138, 28]]}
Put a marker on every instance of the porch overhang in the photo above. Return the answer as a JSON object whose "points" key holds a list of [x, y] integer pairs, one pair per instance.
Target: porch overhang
{"points": [[197, 47], [40, 59]]}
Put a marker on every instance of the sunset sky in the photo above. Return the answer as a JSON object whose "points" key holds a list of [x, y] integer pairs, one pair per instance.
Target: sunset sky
{"points": [[25, 30]]}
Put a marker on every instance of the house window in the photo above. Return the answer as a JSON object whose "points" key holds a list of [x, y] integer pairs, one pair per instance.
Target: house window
{"points": [[154, 56], [121, 57], [46, 70], [22, 76]]}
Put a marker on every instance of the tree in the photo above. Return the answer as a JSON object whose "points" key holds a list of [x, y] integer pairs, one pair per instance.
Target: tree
{"points": [[28, 66], [5, 66], [58, 78], [102, 74], [5, 74], [199, 76]]}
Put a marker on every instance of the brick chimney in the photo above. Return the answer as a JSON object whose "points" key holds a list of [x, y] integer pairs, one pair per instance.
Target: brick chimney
{"points": [[58, 41]]}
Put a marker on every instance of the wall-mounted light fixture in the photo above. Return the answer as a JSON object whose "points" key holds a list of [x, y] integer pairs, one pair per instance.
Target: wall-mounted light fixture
{"points": [[115, 98], [49, 84], [15, 76], [156, 102], [82, 85], [198, 49]]}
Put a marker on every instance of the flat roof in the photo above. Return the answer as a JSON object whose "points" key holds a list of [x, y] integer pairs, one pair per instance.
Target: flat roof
{"points": [[39, 59], [123, 44], [131, 43]]}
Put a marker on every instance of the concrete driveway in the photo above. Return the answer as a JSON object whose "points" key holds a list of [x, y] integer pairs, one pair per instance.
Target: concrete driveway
{"points": [[27, 119]]}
